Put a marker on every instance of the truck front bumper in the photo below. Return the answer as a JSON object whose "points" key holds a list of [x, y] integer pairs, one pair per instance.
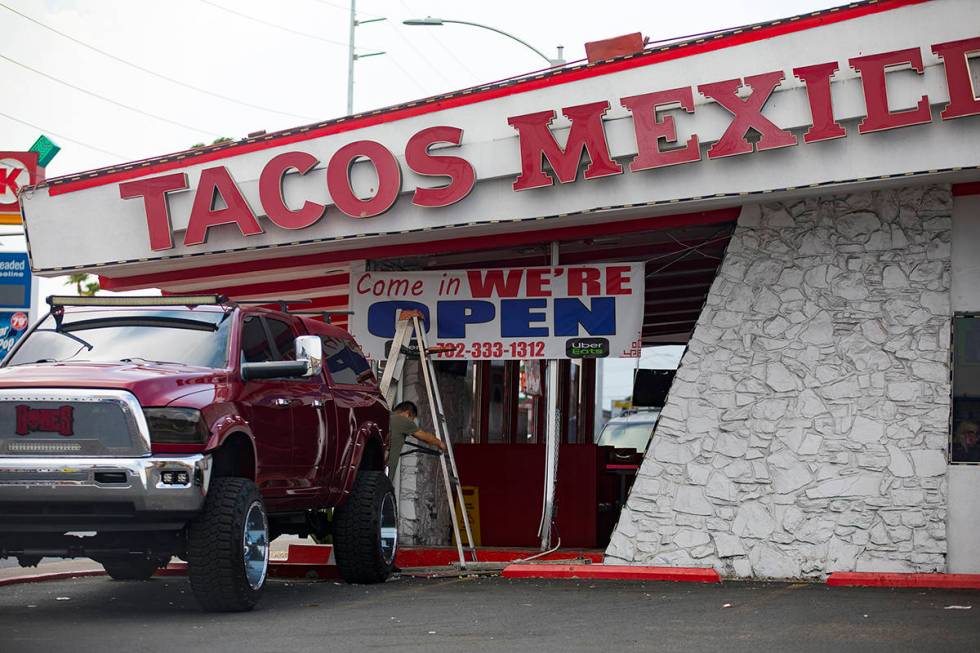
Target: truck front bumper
{"points": [[56, 495]]}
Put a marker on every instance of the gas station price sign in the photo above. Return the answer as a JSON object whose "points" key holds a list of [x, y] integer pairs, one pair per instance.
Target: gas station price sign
{"points": [[576, 311], [15, 281], [15, 298]]}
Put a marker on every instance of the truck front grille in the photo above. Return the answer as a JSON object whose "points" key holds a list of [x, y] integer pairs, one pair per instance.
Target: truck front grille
{"points": [[70, 422]]}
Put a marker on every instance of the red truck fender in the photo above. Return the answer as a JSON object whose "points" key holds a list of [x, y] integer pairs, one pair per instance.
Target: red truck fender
{"points": [[368, 449], [232, 444]]}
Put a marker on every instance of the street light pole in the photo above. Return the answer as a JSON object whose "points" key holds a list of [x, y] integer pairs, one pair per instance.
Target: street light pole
{"points": [[430, 21], [352, 56]]}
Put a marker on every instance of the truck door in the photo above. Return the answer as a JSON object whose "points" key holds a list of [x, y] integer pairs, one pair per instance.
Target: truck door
{"points": [[354, 395], [312, 414], [266, 404]]}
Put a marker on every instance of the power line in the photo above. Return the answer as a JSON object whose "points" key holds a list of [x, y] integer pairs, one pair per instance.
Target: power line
{"points": [[345, 9], [109, 100], [439, 42], [412, 77], [332, 4], [66, 138], [273, 25], [154, 73], [422, 56]]}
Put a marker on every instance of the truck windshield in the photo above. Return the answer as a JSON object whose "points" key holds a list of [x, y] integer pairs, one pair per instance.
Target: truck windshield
{"points": [[194, 338]]}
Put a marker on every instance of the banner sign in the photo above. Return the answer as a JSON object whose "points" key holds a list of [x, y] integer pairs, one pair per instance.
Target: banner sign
{"points": [[580, 311], [15, 298]]}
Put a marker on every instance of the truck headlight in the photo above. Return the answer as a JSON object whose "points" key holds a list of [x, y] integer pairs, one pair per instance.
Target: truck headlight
{"points": [[176, 426]]}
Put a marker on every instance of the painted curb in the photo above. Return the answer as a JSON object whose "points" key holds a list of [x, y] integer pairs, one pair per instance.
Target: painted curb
{"points": [[613, 572], [58, 575], [878, 579]]}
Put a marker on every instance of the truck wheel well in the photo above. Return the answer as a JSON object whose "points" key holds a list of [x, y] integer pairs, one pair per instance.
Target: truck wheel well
{"points": [[235, 457], [373, 458]]}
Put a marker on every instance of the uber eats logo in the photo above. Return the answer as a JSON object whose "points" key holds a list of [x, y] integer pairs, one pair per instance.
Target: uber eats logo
{"points": [[587, 347]]}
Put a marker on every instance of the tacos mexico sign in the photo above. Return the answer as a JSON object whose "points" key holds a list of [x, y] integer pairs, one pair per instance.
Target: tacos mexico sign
{"points": [[566, 144]]}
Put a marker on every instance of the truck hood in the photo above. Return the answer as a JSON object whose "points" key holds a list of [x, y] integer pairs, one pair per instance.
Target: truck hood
{"points": [[153, 385]]}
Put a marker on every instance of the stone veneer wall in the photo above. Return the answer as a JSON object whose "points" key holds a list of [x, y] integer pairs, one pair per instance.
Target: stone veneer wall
{"points": [[806, 430]]}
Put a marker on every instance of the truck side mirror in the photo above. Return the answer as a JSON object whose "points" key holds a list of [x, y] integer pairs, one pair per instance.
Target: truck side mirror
{"points": [[308, 363], [309, 349]]}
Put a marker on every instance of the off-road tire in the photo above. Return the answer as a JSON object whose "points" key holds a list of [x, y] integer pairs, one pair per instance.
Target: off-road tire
{"points": [[132, 568], [215, 552], [357, 530]]}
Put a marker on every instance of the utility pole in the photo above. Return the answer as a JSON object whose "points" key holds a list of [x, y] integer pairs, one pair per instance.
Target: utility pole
{"points": [[352, 56]]}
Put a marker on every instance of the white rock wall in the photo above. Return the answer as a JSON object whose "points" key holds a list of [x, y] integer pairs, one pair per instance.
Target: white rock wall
{"points": [[807, 428]]}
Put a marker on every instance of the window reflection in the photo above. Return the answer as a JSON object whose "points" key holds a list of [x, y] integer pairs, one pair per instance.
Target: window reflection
{"points": [[198, 339], [345, 363]]}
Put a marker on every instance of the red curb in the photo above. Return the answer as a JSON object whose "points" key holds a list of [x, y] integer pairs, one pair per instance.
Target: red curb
{"points": [[614, 572], [58, 575], [878, 579], [302, 561], [309, 554], [173, 569]]}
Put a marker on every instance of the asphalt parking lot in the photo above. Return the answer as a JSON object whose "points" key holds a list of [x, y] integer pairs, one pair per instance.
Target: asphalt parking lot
{"points": [[489, 614]]}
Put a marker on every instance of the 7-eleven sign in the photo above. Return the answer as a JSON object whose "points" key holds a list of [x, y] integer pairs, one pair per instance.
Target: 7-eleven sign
{"points": [[17, 169]]}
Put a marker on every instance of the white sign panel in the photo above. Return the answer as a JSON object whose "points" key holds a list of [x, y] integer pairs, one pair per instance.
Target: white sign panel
{"points": [[669, 129], [575, 311]]}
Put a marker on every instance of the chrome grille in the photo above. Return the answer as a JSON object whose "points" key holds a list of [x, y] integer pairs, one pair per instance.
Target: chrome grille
{"points": [[70, 422]]}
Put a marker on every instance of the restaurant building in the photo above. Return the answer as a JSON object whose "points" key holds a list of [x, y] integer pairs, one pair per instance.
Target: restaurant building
{"points": [[797, 202]]}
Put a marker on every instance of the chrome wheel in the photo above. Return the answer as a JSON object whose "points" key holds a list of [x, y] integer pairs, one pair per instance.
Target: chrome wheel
{"points": [[255, 542], [389, 528]]}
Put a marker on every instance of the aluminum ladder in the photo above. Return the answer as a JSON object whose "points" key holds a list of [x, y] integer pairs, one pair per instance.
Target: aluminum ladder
{"points": [[409, 323]]}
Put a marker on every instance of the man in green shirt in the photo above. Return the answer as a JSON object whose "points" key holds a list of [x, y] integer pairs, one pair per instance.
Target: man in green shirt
{"points": [[402, 425]]}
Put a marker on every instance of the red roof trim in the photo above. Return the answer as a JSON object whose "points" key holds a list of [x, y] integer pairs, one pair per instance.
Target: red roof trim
{"points": [[468, 244], [283, 287], [76, 182]]}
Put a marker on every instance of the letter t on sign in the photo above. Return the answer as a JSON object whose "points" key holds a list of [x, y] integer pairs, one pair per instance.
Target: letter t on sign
{"points": [[154, 193]]}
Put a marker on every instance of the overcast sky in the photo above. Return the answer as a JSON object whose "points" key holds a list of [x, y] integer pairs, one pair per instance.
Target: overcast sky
{"points": [[293, 74], [302, 73]]}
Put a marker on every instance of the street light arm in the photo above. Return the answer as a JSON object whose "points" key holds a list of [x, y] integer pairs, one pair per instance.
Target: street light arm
{"points": [[551, 62]]}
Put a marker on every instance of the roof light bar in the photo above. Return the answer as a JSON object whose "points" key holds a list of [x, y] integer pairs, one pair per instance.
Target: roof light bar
{"points": [[326, 315], [133, 300]]}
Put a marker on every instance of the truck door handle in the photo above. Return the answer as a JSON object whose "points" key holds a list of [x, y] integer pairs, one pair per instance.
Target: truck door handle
{"points": [[281, 403]]}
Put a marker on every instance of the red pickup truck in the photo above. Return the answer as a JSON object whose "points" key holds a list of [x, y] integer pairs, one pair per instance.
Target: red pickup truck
{"points": [[137, 429]]}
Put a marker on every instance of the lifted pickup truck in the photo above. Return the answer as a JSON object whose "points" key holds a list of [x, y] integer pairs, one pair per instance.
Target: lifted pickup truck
{"points": [[137, 429]]}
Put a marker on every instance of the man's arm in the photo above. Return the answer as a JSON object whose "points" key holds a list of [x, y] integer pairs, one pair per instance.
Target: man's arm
{"points": [[429, 438]]}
